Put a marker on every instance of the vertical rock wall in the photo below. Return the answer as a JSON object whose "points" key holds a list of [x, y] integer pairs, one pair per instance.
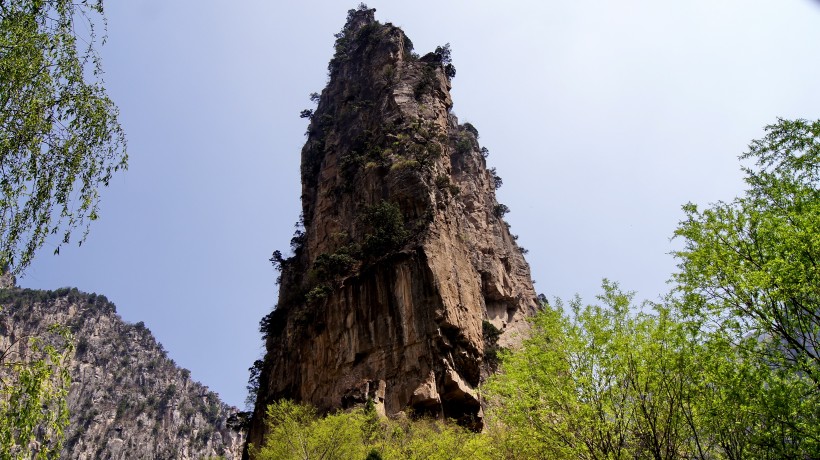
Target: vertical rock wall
{"points": [[406, 272]]}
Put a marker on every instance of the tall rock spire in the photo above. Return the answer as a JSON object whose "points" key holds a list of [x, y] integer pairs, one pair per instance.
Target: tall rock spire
{"points": [[406, 278]]}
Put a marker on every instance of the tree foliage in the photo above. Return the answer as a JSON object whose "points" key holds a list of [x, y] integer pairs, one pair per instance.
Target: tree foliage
{"points": [[753, 264], [443, 54], [60, 138], [469, 127], [385, 229], [34, 383], [601, 382], [615, 381], [296, 431], [254, 374], [751, 269], [726, 367]]}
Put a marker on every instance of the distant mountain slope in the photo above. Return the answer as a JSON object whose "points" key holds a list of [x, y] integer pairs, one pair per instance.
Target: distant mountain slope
{"points": [[127, 400]]}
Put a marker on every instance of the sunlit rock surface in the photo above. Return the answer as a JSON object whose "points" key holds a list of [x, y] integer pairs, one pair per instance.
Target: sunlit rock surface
{"points": [[401, 322]]}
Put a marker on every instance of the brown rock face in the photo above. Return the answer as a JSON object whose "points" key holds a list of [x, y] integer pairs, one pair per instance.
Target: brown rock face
{"points": [[406, 276]]}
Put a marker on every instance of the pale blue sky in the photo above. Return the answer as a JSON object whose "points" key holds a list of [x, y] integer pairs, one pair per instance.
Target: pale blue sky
{"points": [[601, 117]]}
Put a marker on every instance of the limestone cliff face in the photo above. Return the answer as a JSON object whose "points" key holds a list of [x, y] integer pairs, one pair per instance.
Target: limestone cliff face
{"points": [[127, 399], [405, 273]]}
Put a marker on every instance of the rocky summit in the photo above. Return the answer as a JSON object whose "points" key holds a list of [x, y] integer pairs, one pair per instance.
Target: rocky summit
{"points": [[405, 279], [127, 399]]}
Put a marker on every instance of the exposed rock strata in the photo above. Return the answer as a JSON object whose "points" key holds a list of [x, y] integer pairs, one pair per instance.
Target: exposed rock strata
{"points": [[405, 265], [127, 399]]}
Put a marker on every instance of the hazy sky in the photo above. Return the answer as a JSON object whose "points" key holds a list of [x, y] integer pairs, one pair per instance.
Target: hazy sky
{"points": [[603, 118]]}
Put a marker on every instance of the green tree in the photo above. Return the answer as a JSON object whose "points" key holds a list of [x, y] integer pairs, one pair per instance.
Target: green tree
{"points": [[385, 229], [606, 381], [616, 381], [296, 432], [34, 383], [740, 406], [425, 439], [750, 268], [727, 367], [60, 139], [443, 54]]}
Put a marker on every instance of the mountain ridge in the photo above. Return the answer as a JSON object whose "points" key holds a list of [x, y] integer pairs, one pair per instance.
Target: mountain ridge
{"points": [[127, 399]]}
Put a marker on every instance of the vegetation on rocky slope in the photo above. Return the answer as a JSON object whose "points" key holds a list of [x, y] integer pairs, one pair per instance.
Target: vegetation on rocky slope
{"points": [[118, 394]]}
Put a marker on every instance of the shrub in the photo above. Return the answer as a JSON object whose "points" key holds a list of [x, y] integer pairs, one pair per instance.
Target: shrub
{"points": [[425, 83], [471, 129], [318, 293], [497, 181], [450, 71], [255, 372], [279, 262], [204, 435], [297, 432], [490, 332], [82, 347], [464, 145], [405, 164], [500, 210], [386, 233], [389, 71], [329, 266], [443, 55], [298, 239]]}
